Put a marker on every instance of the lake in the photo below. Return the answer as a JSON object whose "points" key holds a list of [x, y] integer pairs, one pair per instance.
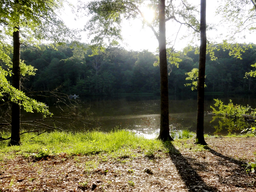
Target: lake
{"points": [[140, 114], [136, 113]]}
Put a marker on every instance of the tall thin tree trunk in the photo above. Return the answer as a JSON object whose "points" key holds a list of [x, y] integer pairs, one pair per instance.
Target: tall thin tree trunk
{"points": [[15, 133], [164, 119], [201, 79]]}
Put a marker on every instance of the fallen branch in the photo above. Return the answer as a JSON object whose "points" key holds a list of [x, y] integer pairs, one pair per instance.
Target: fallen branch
{"points": [[42, 125], [4, 124], [3, 139]]}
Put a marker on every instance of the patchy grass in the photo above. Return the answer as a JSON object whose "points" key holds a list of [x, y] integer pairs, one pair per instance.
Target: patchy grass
{"points": [[121, 161], [118, 143]]}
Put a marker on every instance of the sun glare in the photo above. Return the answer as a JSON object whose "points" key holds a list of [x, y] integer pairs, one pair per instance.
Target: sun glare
{"points": [[149, 14]]}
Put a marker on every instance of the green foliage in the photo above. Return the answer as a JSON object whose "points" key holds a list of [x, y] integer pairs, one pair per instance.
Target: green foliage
{"points": [[231, 117], [173, 57], [251, 73], [29, 104], [232, 110], [210, 50], [131, 183], [5, 51], [236, 50], [34, 18], [42, 153], [253, 130], [251, 167], [193, 77], [26, 69], [229, 125], [150, 151], [31, 18], [107, 18]]}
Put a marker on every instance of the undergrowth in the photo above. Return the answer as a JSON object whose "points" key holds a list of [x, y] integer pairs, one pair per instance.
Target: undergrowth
{"points": [[116, 144], [54, 143]]}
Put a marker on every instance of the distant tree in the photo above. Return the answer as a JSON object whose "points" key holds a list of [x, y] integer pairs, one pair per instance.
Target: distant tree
{"points": [[239, 16], [145, 75]]}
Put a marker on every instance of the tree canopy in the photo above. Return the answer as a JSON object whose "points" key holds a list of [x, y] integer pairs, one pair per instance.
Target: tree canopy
{"points": [[33, 18]]}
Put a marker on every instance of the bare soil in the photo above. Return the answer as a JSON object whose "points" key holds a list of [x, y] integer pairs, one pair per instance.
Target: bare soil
{"points": [[219, 168]]}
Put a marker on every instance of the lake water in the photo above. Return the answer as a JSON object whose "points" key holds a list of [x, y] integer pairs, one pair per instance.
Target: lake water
{"points": [[139, 114]]}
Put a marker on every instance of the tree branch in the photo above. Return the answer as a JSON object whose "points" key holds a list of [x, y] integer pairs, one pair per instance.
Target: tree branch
{"points": [[4, 139], [187, 7], [248, 19], [254, 3], [171, 7], [239, 31], [42, 125], [150, 26], [169, 18], [176, 36], [191, 26]]}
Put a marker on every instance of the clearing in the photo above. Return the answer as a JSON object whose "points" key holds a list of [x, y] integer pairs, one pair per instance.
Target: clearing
{"points": [[186, 167]]}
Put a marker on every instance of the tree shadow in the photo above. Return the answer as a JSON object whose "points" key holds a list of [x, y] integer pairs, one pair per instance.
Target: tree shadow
{"points": [[192, 180], [237, 162], [239, 178]]}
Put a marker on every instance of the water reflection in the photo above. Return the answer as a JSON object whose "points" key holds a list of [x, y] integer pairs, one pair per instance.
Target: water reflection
{"points": [[146, 133], [137, 114], [141, 115]]}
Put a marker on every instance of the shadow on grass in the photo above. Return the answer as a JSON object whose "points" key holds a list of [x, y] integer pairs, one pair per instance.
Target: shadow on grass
{"points": [[190, 177]]}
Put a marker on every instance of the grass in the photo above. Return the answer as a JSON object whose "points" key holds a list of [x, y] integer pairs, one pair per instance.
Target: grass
{"points": [[182, 134], [118, 144], [112, 161]]}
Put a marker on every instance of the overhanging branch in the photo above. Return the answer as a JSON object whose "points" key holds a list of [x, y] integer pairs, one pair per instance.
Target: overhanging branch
{"points": [[169, 18], [189, 25], [37, 131], [254, 3], [150, 25]]}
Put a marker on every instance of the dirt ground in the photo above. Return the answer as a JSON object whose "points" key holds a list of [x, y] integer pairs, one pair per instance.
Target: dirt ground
{"points": [[219, 168]]}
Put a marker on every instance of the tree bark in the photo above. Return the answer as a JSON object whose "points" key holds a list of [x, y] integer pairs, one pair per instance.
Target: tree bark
{"points": [[201, 79], [15, 133], [164, 118]]}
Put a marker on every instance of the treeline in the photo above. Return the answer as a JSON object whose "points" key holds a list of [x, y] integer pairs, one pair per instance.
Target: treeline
{"points": [[73, 70]]}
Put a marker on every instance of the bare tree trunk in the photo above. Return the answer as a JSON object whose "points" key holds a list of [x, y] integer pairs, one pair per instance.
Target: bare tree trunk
{"points": [[164, 119], [201, 79], [15, 134]]}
